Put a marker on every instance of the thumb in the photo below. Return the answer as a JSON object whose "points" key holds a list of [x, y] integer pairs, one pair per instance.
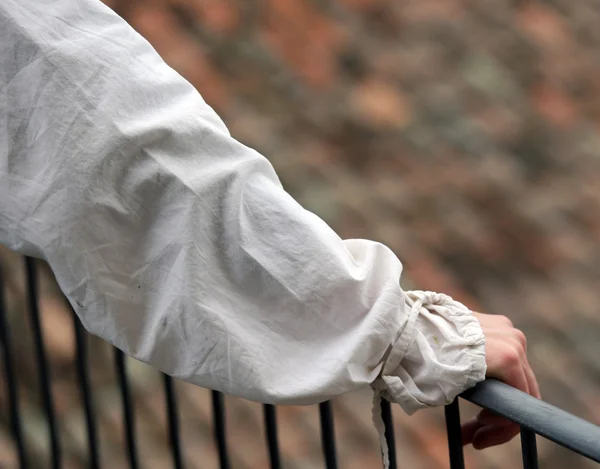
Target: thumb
{"points": [[469, 429]]}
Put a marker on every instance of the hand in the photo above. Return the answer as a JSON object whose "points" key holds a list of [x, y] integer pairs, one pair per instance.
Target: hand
{"points": [[506, 359]]}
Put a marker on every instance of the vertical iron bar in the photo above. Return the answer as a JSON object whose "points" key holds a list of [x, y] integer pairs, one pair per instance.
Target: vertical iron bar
{"points": [[529, 449], [455, 447], [388, 422], [128, 411], [81, 363], [42, 361], [218, 405], [173, 422], [11, 381], [328, 435], [270, 414]]}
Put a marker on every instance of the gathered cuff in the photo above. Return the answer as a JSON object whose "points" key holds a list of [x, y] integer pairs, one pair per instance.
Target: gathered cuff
{"points": [[439, 354]]}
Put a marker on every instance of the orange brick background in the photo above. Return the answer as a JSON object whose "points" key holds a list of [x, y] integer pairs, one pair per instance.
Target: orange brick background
{"points": [[462, 133]]}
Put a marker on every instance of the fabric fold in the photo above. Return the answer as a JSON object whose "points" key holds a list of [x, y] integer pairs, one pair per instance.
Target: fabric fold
{"points": [[179, 245]]}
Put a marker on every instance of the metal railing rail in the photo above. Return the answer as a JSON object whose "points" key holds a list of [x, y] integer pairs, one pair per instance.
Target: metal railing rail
{"points": [[534, 416]]}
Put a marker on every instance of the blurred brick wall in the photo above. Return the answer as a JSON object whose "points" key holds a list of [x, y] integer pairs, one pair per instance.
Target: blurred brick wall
{"points": [[463, 134]]}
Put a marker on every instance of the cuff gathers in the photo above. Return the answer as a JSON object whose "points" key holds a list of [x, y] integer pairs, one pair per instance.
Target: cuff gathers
{"points": [[438, 354]]}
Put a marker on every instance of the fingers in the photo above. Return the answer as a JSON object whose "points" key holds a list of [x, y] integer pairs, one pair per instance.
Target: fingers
{"points": [[506, 359], [469, 429], [532, 383], [534, 388], [485, 419], [492, 436], [507, 366]]}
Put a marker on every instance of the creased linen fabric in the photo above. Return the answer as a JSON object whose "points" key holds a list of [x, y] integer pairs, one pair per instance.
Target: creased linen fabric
{"points": [[178, 244]]}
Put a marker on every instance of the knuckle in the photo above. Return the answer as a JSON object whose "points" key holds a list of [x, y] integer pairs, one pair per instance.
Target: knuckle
{"points": [[521, 337], [511, 357], [520, 350], [504, 320]]}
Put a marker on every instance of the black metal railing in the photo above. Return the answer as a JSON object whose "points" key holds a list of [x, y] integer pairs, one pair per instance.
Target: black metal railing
{"points": [[535, 417]]}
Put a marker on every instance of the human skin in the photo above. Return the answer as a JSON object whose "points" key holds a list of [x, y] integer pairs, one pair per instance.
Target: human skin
{"points": [[506, 359]]}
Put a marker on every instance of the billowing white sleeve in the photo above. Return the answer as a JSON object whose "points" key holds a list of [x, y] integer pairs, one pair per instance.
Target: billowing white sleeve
{"points": [[178, 244]]}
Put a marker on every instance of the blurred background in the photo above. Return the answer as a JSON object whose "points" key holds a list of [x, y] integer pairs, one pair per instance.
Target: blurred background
{"points": [[464, 134]]}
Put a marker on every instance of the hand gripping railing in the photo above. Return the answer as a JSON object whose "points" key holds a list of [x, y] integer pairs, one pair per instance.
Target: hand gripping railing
{"points": [[534, 416]]}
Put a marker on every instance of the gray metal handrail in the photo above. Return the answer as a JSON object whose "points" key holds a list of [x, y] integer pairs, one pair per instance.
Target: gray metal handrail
{"points": [[542, 418]]}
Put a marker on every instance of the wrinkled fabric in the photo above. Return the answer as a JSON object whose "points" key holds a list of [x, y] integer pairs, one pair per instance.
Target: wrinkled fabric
{"points": [[178, 244], [422, 371]]}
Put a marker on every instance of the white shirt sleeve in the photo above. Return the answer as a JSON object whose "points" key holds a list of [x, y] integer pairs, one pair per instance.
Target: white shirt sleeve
{"points": [[178, 244]]}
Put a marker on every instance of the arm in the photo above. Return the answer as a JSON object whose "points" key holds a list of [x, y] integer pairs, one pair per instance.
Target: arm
{"points": [[177, 244]]}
